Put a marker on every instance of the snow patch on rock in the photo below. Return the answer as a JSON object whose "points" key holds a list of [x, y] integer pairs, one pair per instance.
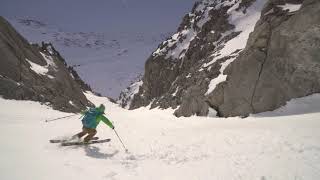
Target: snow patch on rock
{"points": [[176, 46], [290, 7], [41, 70], [127, 95], [221, 78], [243, 23]]}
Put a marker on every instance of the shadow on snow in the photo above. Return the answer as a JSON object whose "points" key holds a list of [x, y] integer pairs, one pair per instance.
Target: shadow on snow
{"points": [[95, 152]]}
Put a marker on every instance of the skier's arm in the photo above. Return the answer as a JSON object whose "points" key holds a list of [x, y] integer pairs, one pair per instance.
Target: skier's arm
{"points": [[106, 121]]}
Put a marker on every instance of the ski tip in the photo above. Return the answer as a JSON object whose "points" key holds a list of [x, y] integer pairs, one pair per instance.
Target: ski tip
{"points": [[54, 141]]}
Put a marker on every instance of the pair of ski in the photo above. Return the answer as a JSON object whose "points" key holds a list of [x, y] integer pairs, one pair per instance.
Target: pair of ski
{"points": [[94, 140]]}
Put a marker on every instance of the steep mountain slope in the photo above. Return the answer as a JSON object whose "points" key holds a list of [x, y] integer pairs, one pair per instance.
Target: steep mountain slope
{"points": [[108, 61], [211, 65], [38, 73], [279, 145]]}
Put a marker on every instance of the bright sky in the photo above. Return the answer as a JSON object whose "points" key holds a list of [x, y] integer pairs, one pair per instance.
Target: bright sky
{"points": [[102, 15]]}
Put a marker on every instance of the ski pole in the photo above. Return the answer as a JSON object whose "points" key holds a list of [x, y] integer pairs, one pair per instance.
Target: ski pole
{"points": [[60, 118], [121, 140]]}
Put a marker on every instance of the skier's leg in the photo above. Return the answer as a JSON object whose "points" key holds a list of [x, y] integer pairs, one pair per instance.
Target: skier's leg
{"points": [[82, 133], [91, 134]]}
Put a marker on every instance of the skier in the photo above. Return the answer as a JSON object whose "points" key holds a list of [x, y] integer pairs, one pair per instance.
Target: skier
{"points": [[90, 121]]}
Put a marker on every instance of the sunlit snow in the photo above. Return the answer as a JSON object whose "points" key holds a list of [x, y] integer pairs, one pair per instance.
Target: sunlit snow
{"points": [[279, 145]]}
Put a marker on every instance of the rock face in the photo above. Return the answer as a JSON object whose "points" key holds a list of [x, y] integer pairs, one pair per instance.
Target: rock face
{"points": [[125, 97], [213, 63], [38, 73], [281, 62]]}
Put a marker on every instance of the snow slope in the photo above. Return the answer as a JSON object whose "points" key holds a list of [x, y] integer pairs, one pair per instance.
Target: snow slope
{"points": [[280, 145]]}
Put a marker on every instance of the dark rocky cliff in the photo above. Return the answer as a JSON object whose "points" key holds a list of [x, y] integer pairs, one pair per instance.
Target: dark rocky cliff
{"points": [[212, 64], [38, 73]]}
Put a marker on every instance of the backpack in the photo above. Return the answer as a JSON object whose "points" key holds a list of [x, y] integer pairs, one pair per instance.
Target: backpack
{"points": [[89, 119]]}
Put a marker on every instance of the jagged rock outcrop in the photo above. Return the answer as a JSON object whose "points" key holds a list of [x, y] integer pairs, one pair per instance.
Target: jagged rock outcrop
{"points": [[212, 63], [125, 97], [46, 47], [38, 73], [281, 62]]}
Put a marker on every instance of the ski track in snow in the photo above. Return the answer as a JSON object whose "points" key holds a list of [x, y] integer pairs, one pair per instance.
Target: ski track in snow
{"points": [[161, 146]]}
